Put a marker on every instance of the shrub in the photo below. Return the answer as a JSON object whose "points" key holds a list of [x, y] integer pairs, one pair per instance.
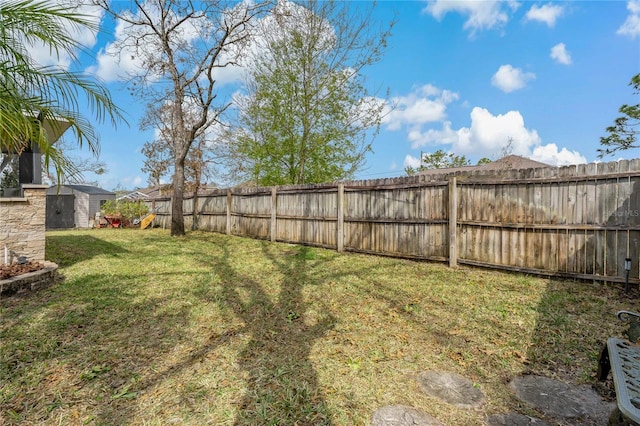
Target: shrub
{"points": [[127, 209]]}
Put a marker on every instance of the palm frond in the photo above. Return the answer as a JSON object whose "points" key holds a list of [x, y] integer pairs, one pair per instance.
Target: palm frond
{"points": [[31, 95]]}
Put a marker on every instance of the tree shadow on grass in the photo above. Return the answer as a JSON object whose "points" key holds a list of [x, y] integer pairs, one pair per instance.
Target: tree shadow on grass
{"points": [[90, 353], [67, 250], [282, 386], [575, 318], [105, 343], [100, 345]]}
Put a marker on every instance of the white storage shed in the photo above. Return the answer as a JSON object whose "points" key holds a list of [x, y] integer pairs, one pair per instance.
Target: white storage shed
{"points": [[74, 206]]}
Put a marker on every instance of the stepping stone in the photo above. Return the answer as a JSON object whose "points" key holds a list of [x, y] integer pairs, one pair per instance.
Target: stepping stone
{"points": [[451, 388], [400, 415], [560, 400], [514, 419]]}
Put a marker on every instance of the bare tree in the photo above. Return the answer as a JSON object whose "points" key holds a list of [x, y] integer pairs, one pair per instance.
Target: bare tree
{"points": [[198, 167], [180, 46], [159, 151]]}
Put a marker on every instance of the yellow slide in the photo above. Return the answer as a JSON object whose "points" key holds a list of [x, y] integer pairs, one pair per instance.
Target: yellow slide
{"points": [[147, 220]]}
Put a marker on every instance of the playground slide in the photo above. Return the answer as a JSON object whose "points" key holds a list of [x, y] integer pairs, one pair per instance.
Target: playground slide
{"points": [[147, 220]]}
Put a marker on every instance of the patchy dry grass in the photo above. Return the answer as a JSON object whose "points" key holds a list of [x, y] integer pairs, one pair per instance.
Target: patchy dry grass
{"points": [[211, 329]]}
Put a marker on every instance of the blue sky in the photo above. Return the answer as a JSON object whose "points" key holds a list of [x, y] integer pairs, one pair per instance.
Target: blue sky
{"points": [[465, 77]]}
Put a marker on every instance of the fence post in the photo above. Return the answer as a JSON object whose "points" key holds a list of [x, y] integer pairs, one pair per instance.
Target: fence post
{"points": [[453, 222], [274, 206], [340, 222], [195, 208], [228, 211]]}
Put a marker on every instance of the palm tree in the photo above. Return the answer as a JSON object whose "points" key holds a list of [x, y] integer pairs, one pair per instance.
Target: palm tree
{"points": [[32, 95]]}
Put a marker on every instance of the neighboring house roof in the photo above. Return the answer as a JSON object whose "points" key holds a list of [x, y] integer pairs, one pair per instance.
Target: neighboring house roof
{"points": [[161, 191], [510, 162], [157, 191], [135, 195], [87, 189]]}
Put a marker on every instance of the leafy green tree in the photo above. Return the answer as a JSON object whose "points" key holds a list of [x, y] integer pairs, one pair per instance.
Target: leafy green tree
{"points": [[626, 128], [307, 116], [483, 161], [438, 160], [31, 94]]}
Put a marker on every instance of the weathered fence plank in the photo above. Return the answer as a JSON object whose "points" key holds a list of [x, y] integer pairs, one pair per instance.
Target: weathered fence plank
{"points": [[453, 222], [579, 221]]}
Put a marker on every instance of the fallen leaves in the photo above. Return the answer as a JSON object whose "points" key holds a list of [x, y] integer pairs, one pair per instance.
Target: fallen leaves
{"points": [[14, 269]]}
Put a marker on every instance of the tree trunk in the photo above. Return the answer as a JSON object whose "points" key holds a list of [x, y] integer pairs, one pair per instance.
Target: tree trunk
{"points": [[177, 211], [194, 224]]}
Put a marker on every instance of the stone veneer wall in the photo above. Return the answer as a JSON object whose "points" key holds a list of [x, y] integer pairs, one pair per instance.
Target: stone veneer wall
{"points": [[22, 223]]}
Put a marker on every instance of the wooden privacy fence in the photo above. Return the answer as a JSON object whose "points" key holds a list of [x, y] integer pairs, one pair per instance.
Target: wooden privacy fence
{"points": [[575, 221]]}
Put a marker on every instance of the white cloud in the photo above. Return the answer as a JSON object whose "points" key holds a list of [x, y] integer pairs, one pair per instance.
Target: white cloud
{"points": [[490, 133], [419, 138], [485, 14], [411, 161], [426, 104], [138, 181], [547, 13], [412, 110], [429, 90], [119, 60], [560, 54], [631, 26], [82, 35], [549, 154], [487, 135], [127, 182], [508, 78]]}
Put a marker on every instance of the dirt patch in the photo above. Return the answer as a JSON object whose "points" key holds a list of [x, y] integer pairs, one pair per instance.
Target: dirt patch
{"points": [[15, 269]]}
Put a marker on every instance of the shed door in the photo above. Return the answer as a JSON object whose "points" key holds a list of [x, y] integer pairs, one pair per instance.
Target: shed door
{"points": [[60, 211]]}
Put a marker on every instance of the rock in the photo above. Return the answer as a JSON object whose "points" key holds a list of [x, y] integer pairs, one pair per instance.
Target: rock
{"points": [[560, 400], [451, 388], [400, 415]]}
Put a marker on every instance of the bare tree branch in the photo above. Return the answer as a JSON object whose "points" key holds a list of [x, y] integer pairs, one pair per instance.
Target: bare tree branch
{"points": [[180, 46]]}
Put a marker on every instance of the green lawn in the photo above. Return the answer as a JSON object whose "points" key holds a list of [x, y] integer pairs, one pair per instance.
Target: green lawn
{"points": [[211, 329]]}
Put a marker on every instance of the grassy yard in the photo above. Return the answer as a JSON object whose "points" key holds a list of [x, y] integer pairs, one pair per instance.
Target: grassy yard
{"points": [[211, 329]]}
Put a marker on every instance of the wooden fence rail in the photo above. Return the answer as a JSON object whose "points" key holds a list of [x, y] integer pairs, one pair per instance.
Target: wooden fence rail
{"points": [[575, 221]]}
